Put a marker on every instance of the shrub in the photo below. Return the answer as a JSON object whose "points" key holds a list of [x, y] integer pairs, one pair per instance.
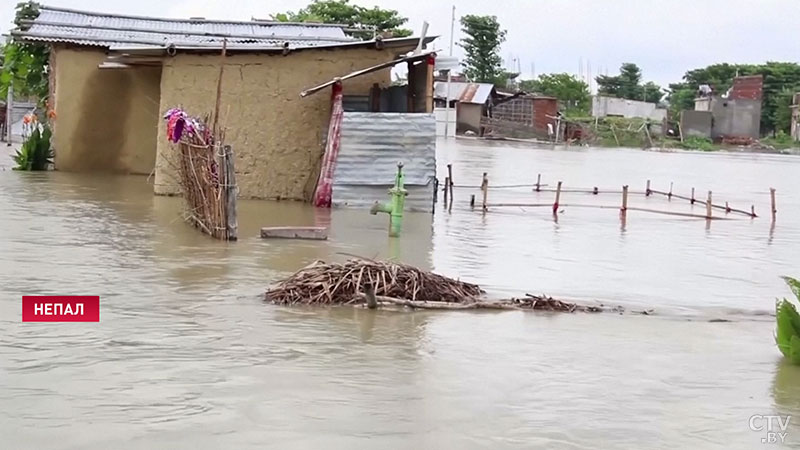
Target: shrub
{"points": [[787, 335], [35, 153]]}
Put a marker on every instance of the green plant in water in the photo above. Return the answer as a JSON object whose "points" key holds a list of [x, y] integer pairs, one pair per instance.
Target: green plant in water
{"points": [[35, 153], [787, 335]]}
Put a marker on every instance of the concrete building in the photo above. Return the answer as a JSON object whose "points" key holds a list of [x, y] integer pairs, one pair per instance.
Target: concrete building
{"points": [[603, 106], [738, 115], [113, 76]]}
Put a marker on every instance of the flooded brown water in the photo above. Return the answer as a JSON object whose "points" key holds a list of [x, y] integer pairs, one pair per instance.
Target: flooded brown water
{"points": [[186, 354]]}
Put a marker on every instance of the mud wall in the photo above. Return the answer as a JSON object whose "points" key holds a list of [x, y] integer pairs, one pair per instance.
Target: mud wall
{"points": [[107, 120], [276, 136]]}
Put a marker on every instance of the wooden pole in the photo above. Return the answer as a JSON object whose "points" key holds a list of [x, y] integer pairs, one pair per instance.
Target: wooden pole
{"points": [[708, 206], [558, 198], [753, 211], [624, 199], [692, 199], [485, 189], [472, 201], [431, 61], [772, 201], [411, 84], [450, 177], [647, 191], [538, 182], [669, 196], [231, 218], [219, 88], [727, 208], [446, 184]]}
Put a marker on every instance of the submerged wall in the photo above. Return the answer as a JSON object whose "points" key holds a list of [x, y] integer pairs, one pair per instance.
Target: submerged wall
{"points": [[277, 137], [106, 119]]}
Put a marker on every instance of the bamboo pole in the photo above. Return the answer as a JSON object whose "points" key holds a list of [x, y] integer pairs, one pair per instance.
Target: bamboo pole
{"points": [[772, 202], [558, 198], [727, 208], [446, 183], [708, 206], [472, 201], [692, 199], [753, 211], [624, 199], [219, 87], [669, 196], [450, 177], [647, 190], [615, 134], [231, 217], [538, 182], [485, 189]]}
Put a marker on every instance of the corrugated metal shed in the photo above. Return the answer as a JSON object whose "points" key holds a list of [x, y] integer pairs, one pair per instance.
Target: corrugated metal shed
{"points": [[110, 30], [476, 93], [372, 145]]}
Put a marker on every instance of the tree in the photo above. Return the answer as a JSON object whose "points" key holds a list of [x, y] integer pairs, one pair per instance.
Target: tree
{"points": [[25, 65], [364, 23], [574, 93], [628, 84], [482, 48]]}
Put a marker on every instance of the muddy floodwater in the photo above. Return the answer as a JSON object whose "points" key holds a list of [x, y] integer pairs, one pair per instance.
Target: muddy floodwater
{"points": [[186, 354]]}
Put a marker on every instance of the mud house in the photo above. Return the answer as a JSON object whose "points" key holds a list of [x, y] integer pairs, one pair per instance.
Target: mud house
{"points": [[113, 76]]}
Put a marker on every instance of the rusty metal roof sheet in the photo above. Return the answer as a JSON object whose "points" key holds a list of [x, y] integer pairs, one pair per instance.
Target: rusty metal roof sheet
{"points": [[464, 92], [109, 30]]}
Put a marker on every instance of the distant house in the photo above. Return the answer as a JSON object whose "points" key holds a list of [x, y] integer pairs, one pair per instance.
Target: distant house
{"points": [[113, 76], [603, 106], [539, 112], [737, 115], [470, 100]]}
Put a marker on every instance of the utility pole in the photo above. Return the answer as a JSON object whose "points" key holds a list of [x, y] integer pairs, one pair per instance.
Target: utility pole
{"points": [[449, 78]]}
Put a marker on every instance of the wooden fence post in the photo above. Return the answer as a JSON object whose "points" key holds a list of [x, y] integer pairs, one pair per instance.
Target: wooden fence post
{"points": [[558, 198], [772, 201], [624, 199], [708, 206], [485, 189]]}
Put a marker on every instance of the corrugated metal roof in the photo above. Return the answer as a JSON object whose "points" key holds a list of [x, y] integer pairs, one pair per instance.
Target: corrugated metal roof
{"points": [[464, 92], [108, 30], [371, 146]]}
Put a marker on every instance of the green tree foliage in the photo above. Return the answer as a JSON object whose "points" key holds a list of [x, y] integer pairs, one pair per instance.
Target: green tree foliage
{"points": [[365, 22], [628, 84], [787, 334], [481, 44], [25, 65], [574, 93], [780, 79]]}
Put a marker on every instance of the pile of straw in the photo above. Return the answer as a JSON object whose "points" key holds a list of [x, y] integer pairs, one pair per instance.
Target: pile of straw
{"points": [[333, 284], [376, 283]]}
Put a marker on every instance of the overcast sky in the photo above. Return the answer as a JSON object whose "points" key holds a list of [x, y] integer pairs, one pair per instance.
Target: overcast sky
{"points": [[665, 38]]}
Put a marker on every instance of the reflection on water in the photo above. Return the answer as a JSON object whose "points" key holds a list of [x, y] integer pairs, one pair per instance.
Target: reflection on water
{"points": [[187, 356]]}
